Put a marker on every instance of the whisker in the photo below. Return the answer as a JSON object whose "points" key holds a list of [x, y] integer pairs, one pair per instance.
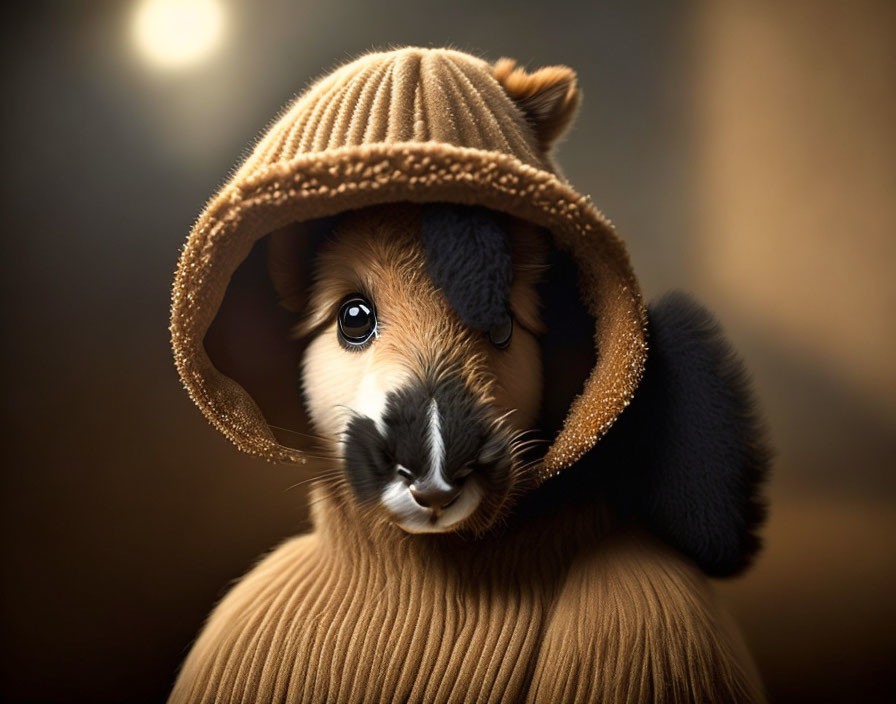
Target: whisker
{"points": [[527, 444], [316, 457], [348, 410], [313, 436], [506, 415], [318, 477]]}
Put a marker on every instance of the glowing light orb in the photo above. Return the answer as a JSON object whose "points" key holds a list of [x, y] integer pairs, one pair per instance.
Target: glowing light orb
{"points": [[177, 33]]}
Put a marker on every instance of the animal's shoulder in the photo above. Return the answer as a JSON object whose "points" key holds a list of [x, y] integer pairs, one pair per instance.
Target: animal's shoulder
{"points": [[635, 621], [246, 628]]}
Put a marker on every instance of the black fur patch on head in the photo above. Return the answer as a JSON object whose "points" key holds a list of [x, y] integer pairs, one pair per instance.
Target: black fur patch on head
{"points": [[468, 258], [689, 455]]}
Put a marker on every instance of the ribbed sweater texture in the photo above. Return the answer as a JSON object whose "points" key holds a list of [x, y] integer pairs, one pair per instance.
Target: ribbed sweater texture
{"points": [[565, 610]]}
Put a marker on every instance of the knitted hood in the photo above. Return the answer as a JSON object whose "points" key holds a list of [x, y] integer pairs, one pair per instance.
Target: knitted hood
{"points": [[412, 125]]}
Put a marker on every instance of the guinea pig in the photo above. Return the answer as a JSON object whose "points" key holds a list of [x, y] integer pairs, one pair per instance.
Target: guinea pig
{"points": [[422, 368]]}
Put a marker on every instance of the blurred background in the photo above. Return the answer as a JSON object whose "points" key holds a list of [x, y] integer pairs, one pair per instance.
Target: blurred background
{"points": [[745, 151]]}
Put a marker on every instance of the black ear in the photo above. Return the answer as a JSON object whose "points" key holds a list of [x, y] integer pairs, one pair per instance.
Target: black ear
{"points": [[689, 455], [468, 258]]}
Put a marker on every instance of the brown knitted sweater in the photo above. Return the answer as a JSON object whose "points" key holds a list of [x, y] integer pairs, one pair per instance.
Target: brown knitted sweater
{"points": [[565, 608]]}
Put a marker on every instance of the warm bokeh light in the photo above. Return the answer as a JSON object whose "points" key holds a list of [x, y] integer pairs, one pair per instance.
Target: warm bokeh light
{"points": [[178, 33]]}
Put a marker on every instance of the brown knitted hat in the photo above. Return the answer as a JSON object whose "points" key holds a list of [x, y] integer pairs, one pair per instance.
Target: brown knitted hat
{"points": [[412, 125]]}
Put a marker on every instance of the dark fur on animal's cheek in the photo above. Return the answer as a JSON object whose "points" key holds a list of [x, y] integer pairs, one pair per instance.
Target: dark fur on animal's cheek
{"points": [[368, 465]]}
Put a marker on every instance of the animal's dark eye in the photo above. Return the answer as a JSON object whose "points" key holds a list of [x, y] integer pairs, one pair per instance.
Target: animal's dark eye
{"points": [[501, 333], [356, 321]]}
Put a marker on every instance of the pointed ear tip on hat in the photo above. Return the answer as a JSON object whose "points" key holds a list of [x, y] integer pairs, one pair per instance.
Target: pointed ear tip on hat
{"points": [[549, 96], [520, 83]]}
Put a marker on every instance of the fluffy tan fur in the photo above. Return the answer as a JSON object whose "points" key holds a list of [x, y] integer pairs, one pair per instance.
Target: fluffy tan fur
{"points": [[378, 252]]}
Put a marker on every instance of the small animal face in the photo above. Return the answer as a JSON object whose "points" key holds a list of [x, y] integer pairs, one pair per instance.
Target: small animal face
{"points": [[427, 412]]}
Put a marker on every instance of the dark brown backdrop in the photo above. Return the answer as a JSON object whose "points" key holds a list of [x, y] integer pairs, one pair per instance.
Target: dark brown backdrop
{"points": [[745, 152]]}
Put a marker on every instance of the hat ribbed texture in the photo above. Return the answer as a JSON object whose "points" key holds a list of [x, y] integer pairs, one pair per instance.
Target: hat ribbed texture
{"points": [[419, 125], [411, 95]]}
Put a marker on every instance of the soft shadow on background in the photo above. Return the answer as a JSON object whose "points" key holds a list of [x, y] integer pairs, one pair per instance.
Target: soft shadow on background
{"points": [[744, 151]]}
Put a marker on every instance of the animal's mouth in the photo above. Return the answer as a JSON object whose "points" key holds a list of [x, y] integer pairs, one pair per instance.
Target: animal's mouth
{"points": [[410, 515], [432, 458]]}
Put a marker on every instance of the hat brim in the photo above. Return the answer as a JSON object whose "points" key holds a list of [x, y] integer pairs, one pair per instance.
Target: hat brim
{"points": [[326, 183]]}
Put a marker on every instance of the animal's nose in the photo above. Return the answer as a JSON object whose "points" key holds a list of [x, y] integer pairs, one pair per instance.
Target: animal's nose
{"points": [[434, 496]]}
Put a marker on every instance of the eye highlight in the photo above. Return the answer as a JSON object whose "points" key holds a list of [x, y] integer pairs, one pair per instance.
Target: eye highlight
{"points": [[356, 321]]}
